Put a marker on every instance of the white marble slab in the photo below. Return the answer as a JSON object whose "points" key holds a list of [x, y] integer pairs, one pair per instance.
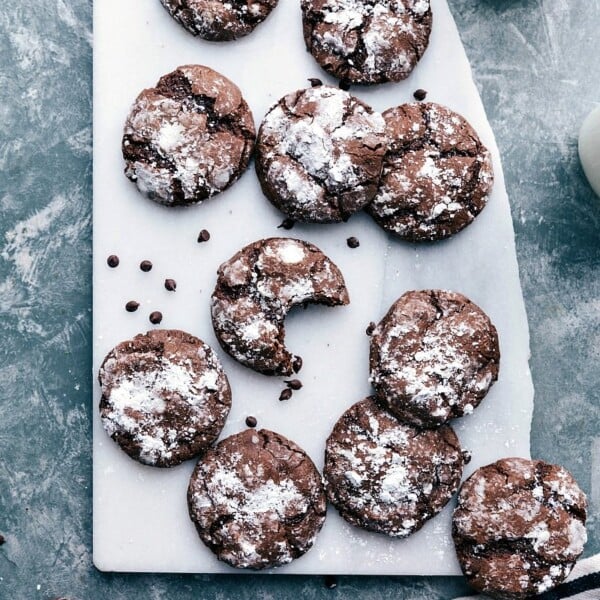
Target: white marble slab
{"points": [[140, 516]]}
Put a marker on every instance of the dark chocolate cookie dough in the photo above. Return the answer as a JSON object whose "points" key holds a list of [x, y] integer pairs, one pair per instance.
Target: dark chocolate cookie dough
{"points": [[255, 290], [367, 41], [188, 138], [437, 174], [519, 527], [433, 357], [219, 20], [165, 397], [387, 476], [257, 500], [319, 154]]}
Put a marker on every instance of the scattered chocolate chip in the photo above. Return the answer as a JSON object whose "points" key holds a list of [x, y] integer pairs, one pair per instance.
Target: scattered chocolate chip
{"points": [[286, 224], [251, 421], [420, 95], [285, 394], [2, 539], [330, 581], [113, 261], [156, 317], [132, 306], [170, 285], [371, 328], [297, 364], [203, 236], [467, 456], [315, 82], [352, 242], [344, 85], [294, 384], [146, 266]]}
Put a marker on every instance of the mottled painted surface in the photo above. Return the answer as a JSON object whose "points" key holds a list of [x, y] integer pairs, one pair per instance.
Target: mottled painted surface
{"points": [[537, 65]]}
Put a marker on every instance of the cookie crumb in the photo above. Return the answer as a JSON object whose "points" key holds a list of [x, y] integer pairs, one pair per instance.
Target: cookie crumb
{"points": [[2, 540], [467, 456], [371, 328], [113, 261], [132, 306], [297, 364], [146, 266], [286, 224], [344, 85], [353, 242], [203, 236], [315, 82], [294, 384], [170, 285], [331, 582], [285, 395], [251, 421], [156, 317]]}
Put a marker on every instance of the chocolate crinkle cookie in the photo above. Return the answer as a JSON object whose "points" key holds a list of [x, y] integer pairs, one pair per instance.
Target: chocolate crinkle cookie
{"points": [[257, 500], [320, 154], [165, 397], [367, 41], [219, 20], [188, 138], [387, 476], [434, 356], [519, 527], [437, 175], [255, 290]]}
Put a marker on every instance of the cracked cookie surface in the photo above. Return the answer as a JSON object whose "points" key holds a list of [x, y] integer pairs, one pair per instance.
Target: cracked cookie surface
{"points": [[367, 41], [255, 290], [219, 20], [433, 357], [165, 397], [188, 138], [519, 527], [437, 175], [320, 154], [387, 476], [257, 500]]}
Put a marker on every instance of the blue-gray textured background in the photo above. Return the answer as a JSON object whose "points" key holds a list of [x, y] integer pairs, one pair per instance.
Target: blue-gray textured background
{"points": [[537, 65]]}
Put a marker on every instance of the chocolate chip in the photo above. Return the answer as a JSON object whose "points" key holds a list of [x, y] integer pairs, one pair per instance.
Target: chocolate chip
{"points": [[251, 421], [287, 224], [146, 266], [297, 364], [420, 95], [156, 317], [371, 328], [294, 384], [330, 581], [352, 242], [2, 539], [315, 82], [113, 261], [203, 236], [344, 85], [132, 306], [285, 394], [170, 285], [467, 456]]}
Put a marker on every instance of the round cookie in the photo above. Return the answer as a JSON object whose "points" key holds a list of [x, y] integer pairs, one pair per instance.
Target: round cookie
{"points": [[165, 397], [255, 290], [519, 527], [433, 357], [257, 500], [188, 138], [437, 174], [320, 154], [219, 20], [367, 42], [387, 476]]}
